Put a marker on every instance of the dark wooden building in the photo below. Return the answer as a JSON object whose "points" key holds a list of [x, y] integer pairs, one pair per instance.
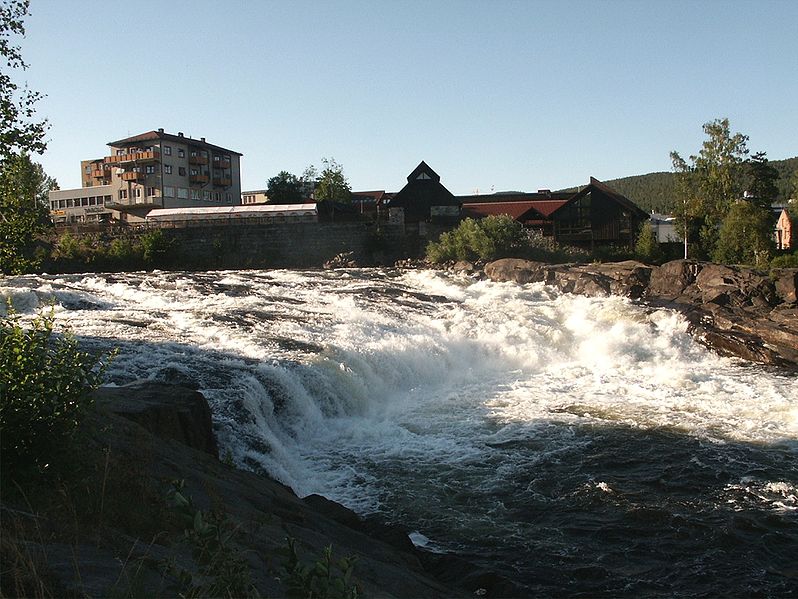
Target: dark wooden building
{"points": [[597, 214], [423, 200]]}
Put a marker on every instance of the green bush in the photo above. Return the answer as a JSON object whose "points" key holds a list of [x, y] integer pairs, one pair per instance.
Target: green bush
{"points": [[485, 239], [155, 247], [647, 246], [45, 386], [785, 261]]}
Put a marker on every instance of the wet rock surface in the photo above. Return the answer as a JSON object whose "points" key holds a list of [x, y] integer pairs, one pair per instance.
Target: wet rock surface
{"points": [[734, 310]]}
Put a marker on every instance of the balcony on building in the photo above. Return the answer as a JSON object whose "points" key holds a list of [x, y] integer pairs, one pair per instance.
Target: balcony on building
{"points": [[100, 173], [221, 162], [222, 181], [198, 179], [198, 159], [133, 176], [134, 156]]}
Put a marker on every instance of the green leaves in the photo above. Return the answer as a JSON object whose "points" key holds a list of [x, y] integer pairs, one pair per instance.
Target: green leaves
{"points": [[18, 131], [45, 386], [484, 239], [332, 184]]}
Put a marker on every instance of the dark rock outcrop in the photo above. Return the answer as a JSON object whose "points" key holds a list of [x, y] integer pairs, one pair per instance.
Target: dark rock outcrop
{"points": [[145, 425], [167, 411], [736, 311]]}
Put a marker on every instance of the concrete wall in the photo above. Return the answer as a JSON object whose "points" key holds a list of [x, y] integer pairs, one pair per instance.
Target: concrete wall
{"points": [[289, 245]]}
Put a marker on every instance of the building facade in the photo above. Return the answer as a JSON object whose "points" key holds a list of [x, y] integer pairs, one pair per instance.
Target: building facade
{"points": [[154, 170], [255, 196]]}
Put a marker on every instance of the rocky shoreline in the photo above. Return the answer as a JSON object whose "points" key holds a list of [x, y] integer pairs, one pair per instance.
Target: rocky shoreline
{"points": [[161, 433], [733, 310]]}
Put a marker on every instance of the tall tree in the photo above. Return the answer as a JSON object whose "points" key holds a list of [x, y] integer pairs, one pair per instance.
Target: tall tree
{"points": [[333, 185], [24, 213], [759, 181], [23, 184], [712, 180], [284, 188], [19, 131]]}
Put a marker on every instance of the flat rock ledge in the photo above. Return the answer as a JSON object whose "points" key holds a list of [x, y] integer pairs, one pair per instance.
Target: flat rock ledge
{"points": [[733, 310]]}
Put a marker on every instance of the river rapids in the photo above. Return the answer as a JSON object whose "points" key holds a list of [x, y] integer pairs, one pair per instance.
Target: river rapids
{"points": [[576, 446]]}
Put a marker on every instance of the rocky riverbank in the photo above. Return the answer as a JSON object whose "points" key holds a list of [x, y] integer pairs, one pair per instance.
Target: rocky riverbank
{"points": [[734, 310], [151, 436]]}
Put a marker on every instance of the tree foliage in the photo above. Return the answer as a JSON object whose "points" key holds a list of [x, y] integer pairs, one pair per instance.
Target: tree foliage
{"points": [[284, 188], [19, 131], [746, 236], [486, 239], [710, 182], [647, 246], [333, 185], [45, 382], [759, 180], [24, 214]]}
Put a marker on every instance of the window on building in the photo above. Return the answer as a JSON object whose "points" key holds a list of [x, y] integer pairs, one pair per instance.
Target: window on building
{"points": [[123, 194], [120, 152], [104, 200], [217, 197], [167, 150], [151, 191], [62, 203], [181, 170], [88, 169], [194, 172], [150, 169], [195, 194], [92, 201], [182, 193], [84, 201], [206, 195], [137, 192], [169, 191], [194, 153], [228, 197], [167, 168], [181, 152]]}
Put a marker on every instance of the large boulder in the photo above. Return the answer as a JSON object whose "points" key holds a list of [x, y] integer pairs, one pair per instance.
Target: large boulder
{"points": [[167, 411], [721, 284], [515, 269], [672, 278], [786, 283]]}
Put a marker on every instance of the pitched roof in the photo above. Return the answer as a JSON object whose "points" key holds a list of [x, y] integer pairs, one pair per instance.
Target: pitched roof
{"points": [[516, 196], [421, 192], [595, 184], [368, 196], [160, 135], [520, 211], [423, 168]]}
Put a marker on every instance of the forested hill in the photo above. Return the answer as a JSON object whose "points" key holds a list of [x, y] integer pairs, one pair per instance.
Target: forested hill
{"points": [[655, 191]]}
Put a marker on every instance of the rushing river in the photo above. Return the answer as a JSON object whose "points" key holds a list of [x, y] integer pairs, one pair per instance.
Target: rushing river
{"points": [[577, 446]]}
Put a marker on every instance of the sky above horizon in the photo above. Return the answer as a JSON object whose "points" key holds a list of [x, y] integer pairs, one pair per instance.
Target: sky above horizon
{"points": [[493, 95]]}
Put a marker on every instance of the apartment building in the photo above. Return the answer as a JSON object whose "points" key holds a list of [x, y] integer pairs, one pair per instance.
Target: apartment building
{"points": [[152, 170]]}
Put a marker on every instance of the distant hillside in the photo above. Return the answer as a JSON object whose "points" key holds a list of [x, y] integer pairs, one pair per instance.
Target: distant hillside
{"points": [[655, 191]]}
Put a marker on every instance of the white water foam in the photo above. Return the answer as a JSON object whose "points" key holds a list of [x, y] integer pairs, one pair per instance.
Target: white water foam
{"points": [[325, 380]]}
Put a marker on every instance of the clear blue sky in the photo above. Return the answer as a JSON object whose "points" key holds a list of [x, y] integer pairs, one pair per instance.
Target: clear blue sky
{"points": [[509, 95]]}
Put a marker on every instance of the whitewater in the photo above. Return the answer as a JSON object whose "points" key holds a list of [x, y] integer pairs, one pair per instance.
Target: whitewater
{"points": [[575, 445]]}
